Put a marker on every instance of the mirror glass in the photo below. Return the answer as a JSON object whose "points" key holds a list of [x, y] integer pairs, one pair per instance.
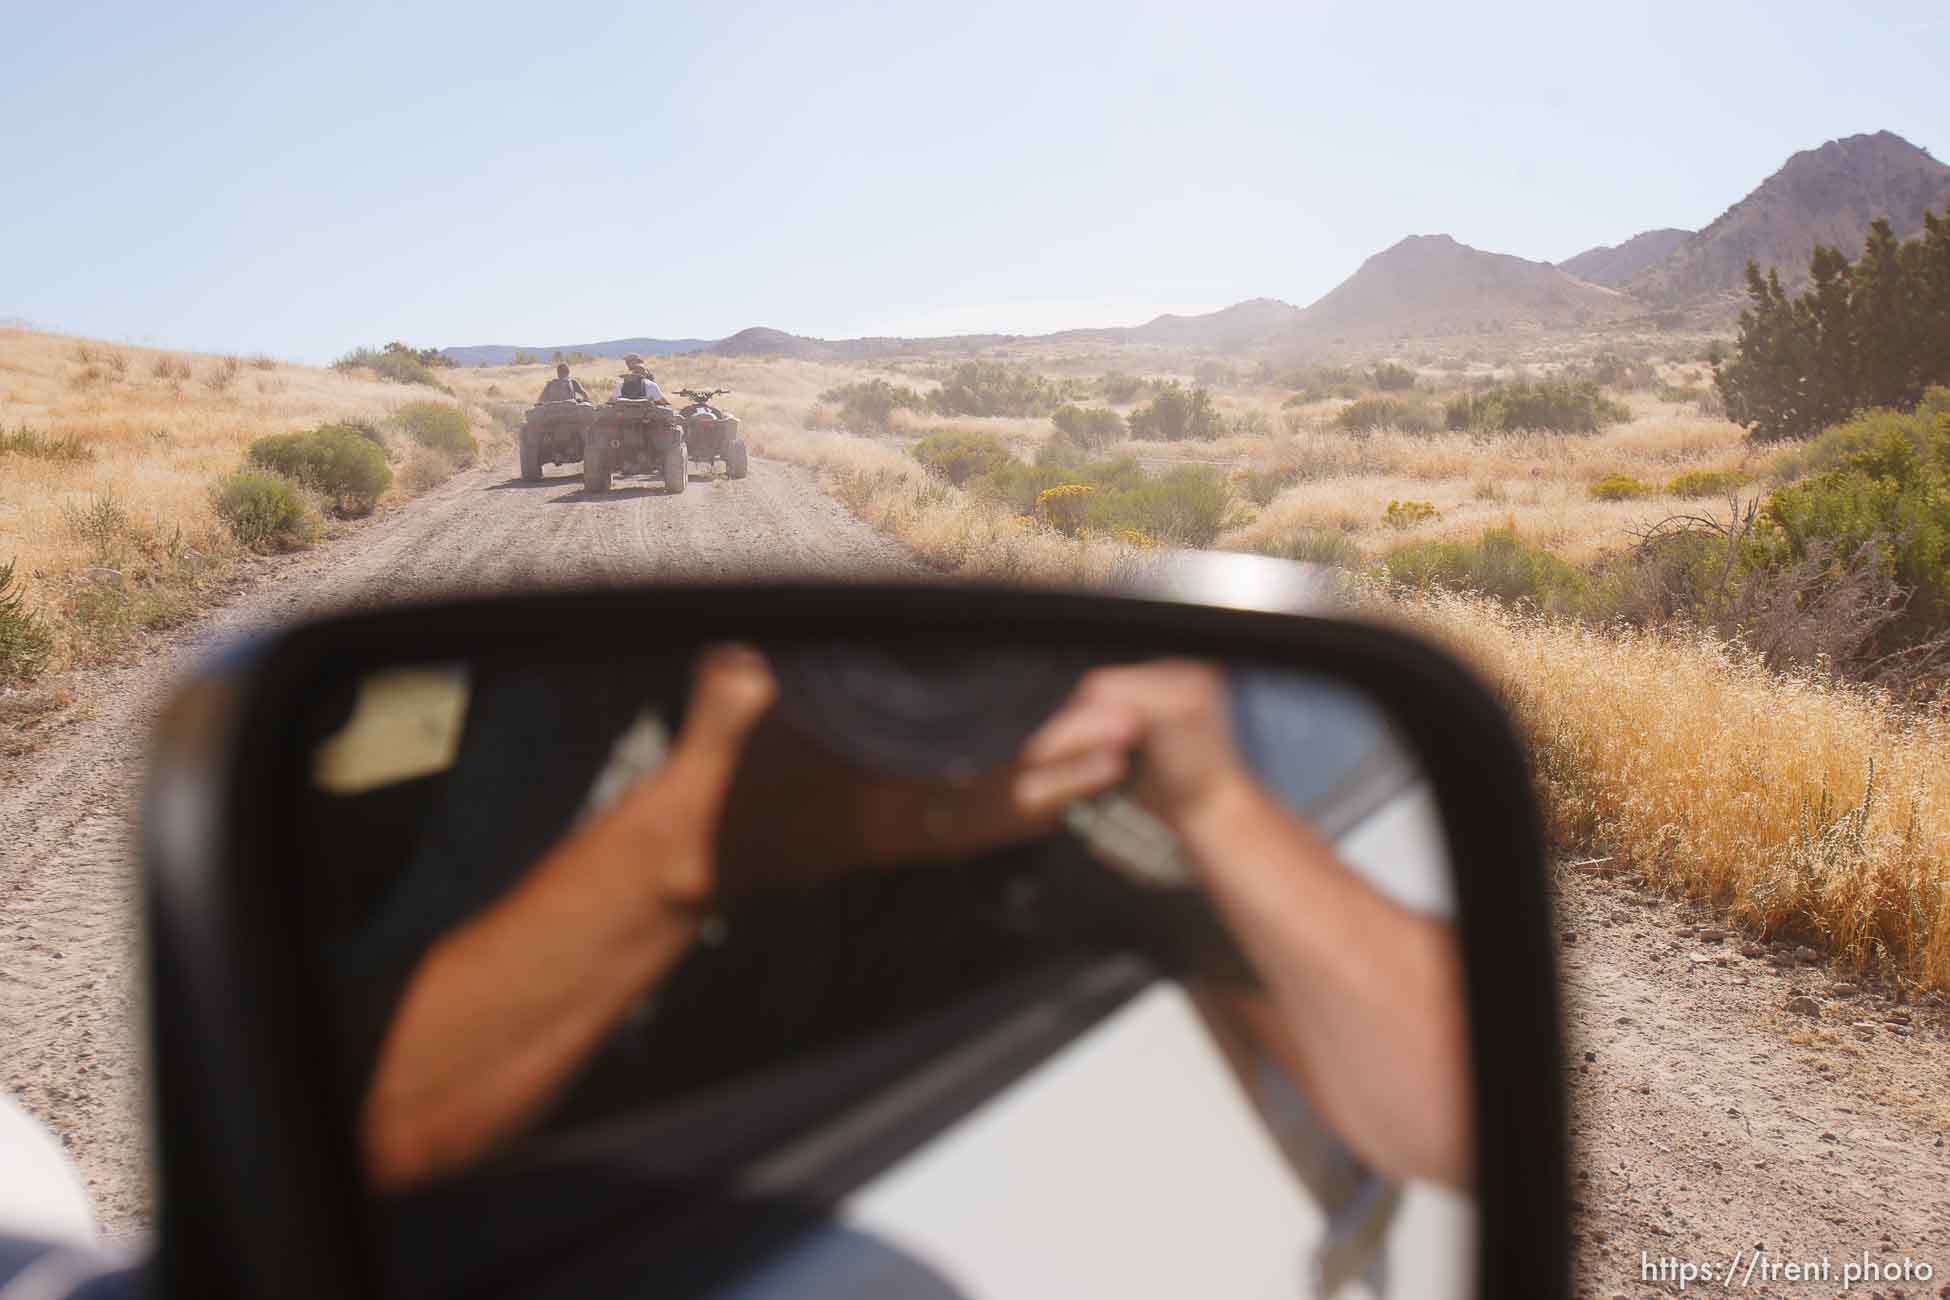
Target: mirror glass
{"points": [[858, 970]]}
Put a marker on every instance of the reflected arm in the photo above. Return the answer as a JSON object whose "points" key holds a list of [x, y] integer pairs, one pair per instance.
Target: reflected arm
{"points": [[502, 1010], [1362, 1001]]}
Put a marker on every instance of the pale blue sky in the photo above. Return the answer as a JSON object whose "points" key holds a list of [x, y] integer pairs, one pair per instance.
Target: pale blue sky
{"points": [[299, 179]]}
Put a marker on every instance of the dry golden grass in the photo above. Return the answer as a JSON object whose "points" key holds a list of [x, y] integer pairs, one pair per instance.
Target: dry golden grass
{"points": [[161, 426], [1807, 808]]}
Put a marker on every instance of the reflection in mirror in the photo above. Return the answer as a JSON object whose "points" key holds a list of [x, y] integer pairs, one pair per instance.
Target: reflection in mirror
{"points": [[842, 970]]}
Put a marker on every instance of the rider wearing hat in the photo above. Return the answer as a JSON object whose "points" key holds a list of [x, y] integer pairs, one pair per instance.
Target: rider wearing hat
{"points": [[639, 383]]}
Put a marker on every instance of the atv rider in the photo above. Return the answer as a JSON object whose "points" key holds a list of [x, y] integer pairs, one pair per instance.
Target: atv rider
{"points": [[639, 383], [562, 388]]}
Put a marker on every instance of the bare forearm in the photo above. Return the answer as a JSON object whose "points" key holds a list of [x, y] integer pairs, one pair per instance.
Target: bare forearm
{"points": [[1364, 998], [502, 1011]]}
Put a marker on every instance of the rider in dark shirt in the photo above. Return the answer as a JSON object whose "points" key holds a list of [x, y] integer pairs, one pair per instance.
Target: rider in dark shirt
{"points": [[562, 388]]}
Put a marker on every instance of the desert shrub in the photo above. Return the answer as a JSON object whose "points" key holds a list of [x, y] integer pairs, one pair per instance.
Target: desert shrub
{"points": [[1705, 482], [265, 511], [1214, 374], [173, 369], [1392, 378], [991, 388], [223, 374], [1252, 423], [1121, 389], [332, 459], [397, 362], [1260, 486], [439, 425], [1065, 506], [1409, 514], [25, 642], [1186, 506], [422, 469], [1888, 497], [64, 447], [1326, 546], [1177, 413], [1551, 406], [1626, 374], [869, 406], [1090, 427], [959, 455], [1500, 564], [1923, 429], [1619, 487], [1372, 413]]}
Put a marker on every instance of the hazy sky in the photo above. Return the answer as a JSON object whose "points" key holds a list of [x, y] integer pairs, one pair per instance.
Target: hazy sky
{"points": [[298, 179]]}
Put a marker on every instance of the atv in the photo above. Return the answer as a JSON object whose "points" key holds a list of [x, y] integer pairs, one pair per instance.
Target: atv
{"points": [[711, 434], [634, 435], [554, 433]]}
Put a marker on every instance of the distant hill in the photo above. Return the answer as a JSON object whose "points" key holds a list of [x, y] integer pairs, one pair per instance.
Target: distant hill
{"points": [[1430, 285], [1614, 264], [762, 342], [1827, 195], [1241, 325], [498, 354]]}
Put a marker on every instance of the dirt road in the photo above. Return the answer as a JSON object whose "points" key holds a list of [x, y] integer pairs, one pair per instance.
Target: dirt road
{"points": [[1711, 1116], [68, 996]]}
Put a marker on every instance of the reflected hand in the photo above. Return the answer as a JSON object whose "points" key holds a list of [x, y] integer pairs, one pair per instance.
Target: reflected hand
{"points": [[1167, 722]]}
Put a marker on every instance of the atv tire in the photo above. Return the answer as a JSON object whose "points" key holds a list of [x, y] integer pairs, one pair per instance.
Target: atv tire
{"points": [[737, 462], [595, 464], [531, 456], [677, 469]]}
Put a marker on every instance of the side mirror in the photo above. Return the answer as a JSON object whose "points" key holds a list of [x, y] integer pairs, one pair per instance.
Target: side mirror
{"points": [[852, 940]]}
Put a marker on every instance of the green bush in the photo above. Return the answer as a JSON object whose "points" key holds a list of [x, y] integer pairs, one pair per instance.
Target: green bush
{"points": [[1017, 485], [264, 510], [25, 642], [1260, 486], [869, 406], [1121, 389], [991, 388], [1091, 427], [1550, 406], [1391, 378], [1619, 487], [397, 362], [1922, 429], [1372, 413], [1325, 546], [1500, 564], [1705, 482], [1177, 413], [959, 455], [1888, 493], [1186, 506], [332, 459], [439, 425]]}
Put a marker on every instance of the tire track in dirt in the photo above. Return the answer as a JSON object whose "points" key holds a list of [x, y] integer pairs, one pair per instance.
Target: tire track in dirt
{"points": [[69, 996]]}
